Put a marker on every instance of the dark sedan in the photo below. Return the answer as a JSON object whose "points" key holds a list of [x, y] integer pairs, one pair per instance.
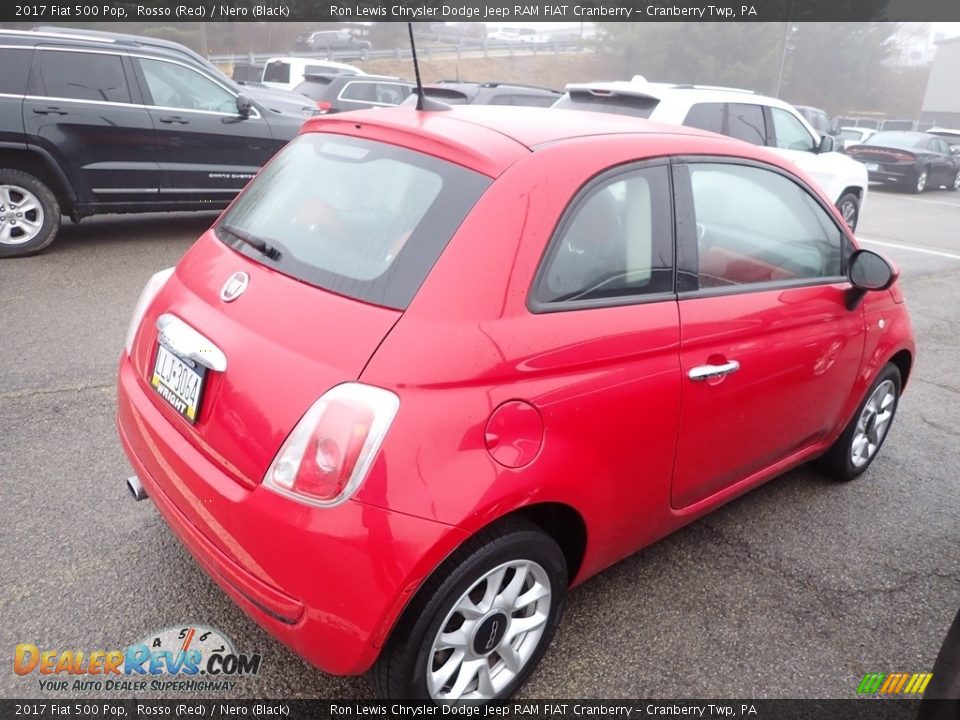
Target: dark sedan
{"points": [[913, 161]]}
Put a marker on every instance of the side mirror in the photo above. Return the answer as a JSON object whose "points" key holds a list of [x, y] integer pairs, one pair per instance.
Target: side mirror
{"points": [[244, 106], [868, 272], [827, 144]]}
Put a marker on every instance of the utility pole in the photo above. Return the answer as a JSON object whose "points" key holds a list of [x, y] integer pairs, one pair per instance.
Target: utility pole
{"points": [[783, 49]]}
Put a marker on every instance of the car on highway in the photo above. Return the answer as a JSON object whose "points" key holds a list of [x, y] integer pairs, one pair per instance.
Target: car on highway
{"points": [[741, 114], [638, 323], [460, 92], [340, 93], [854, 135], [912, 161], [92, 125], [285, 73], [341, 42]]}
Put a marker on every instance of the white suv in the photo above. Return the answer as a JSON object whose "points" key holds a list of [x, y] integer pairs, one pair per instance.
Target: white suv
{"points": [[740, 114]]}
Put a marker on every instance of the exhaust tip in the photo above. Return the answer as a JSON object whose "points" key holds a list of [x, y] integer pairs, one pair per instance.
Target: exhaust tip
{"points": [[136, 488]]}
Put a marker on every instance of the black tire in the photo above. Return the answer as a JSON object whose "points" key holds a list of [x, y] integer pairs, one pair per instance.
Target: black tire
{"points": [[401, 670], [837, 462], [849, 202], [921, 182], [956, 182], [22, 182]]}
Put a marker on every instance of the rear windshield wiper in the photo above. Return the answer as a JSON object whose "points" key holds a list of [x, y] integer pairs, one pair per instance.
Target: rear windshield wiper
{"points": [[253, 241]]}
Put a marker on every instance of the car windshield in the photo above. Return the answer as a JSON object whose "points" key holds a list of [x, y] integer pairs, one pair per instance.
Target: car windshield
{"points": [[619, 104], [901, 141], [359, 218]]}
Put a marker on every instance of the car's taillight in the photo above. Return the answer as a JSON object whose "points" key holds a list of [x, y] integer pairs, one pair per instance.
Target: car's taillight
{"points": [[150, 290], [324, 106], [332, 448]]}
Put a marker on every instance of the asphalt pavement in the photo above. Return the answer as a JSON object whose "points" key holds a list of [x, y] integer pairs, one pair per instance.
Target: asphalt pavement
{"points": [[795, 590]]}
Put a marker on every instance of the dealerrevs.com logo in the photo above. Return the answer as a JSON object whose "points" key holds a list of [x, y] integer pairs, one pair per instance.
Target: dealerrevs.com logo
{"points": [[192, 658]]}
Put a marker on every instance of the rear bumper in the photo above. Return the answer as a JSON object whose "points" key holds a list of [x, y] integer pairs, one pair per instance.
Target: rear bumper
{"points": [[907, 174], [327, 582]]}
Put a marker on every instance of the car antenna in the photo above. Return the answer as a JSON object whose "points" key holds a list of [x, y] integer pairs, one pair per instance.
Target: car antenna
{"points": [[423, 102]]}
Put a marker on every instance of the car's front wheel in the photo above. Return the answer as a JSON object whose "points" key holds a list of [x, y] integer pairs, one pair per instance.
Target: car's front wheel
{"points": [[849, 207], [858, 445], [29, 214], [481, 623]]}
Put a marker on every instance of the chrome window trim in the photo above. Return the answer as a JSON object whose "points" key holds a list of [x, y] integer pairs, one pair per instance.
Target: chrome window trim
{"points": [[119, 53]]}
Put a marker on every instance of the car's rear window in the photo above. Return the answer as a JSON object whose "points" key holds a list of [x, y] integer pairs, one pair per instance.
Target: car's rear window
{"points": [[359, 218], [314, 87], [901, 141], [616, 103], [278, 72]]}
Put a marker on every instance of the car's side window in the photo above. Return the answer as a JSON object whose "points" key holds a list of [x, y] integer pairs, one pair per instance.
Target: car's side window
{"points": [[739, 120], [745, 122], [706, 116], [757, 226], [175, 86], [84, 76], [790, 132], [615, 242]]}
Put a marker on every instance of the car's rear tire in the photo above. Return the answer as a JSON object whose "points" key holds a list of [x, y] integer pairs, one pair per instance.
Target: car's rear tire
{"points": [[29, 214], [858, 445], [956, 182], [849, 207], [921, 182], [468, 613]]}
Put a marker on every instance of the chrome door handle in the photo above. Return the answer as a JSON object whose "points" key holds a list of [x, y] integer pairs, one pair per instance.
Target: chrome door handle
{"points": [[705, 372], [176, 335]]}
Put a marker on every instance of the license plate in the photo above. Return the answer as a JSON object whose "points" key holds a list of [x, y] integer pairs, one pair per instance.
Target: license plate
{"points": [[178, 382], [871, 166]]}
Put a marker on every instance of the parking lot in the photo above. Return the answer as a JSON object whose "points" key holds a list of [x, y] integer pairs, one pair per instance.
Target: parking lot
{"points": [[795, 590]]}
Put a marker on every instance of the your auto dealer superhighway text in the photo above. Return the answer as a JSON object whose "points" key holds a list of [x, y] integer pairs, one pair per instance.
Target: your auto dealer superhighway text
{"points": [[542, 709], [424, 12]]}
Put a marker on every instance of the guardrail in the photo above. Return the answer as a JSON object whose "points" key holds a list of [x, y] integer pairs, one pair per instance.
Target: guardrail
{"points": [[429, 52]]}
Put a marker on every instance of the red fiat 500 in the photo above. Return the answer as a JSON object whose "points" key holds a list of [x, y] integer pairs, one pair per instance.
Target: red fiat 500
{"points": [[431, 369]]}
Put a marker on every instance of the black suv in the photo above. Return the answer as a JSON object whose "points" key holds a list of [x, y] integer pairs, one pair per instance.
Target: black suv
{"points": [[455, 92], [98, 124], [330, 41], [339, 93]]}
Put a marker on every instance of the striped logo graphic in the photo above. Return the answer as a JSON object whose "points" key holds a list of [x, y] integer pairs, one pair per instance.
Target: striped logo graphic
{"points": [[894, 683]]}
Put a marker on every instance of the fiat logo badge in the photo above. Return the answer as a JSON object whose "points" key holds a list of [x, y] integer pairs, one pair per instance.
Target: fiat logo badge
{"points": [[234, 286]]}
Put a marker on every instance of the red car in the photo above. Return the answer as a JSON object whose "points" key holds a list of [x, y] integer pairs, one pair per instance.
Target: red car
{"points": [[431, 369]]}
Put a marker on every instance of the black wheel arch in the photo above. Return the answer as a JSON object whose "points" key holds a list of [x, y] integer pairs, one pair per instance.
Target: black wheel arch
{"points": [[41, 165]]}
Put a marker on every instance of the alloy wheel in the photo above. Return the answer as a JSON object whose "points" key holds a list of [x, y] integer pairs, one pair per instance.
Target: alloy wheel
{"points": [[922, 181], [21, 215], [849, 212], [956, 181], [490, 634], [873, 423]]}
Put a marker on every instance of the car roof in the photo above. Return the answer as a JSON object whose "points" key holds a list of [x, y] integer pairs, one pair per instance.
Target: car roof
{"points": [[489, 139], [640, 87]]}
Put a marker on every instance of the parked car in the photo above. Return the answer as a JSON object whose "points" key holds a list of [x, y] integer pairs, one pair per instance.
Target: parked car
{"points": [[339, 93], [818, 119], [509, 34], [742, 114], [455, 92], [626, 312], [854, 135], [341, 42], [286, 73], [950, 136], [913, 161], [273, 99], [90, 125]]}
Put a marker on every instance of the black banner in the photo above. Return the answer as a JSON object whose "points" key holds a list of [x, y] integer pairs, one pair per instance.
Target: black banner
{"points": [[860, 709], [46, 11]]}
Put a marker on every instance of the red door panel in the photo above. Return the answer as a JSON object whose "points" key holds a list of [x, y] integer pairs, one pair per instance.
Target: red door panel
{"points": [[799, 351]]}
